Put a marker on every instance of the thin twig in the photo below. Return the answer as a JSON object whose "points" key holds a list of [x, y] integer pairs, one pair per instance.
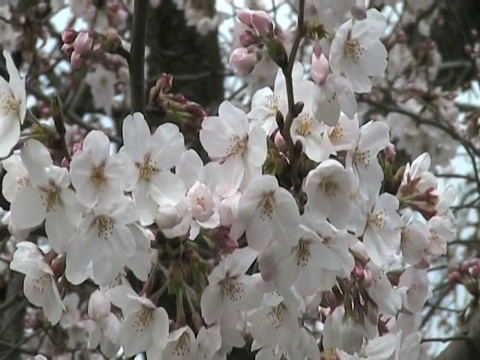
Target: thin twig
{"points": [[293, 109], [57, 115], [137, 56]]}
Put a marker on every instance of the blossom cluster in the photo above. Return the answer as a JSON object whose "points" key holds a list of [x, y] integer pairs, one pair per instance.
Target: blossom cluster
{"points": [[348, 247]]}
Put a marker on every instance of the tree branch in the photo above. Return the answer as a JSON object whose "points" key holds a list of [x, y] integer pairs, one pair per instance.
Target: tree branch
{"points": [[137, 56]]}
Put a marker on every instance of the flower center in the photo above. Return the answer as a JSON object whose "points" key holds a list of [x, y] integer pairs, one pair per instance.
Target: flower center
{"points": [[50, 196], [303, 253], [237, 146], [98, 176], [266, 210], [329, 186], [143, 317], [304, 126], [104, 226], [147, 169], [353, 49], [182, 348], [232, 288], [273, 103], [362, 159], [378, 219], [336, 134], [9, 104], [276, 316]]}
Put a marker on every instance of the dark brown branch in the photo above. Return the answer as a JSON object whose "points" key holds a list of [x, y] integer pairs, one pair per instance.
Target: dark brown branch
{"points": [[137, 56]]}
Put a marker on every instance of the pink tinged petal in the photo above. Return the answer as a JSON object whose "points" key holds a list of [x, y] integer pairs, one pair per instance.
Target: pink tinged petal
{"points": [[168, 147], [29, 208], [36, 158], [97, 145], [259, 231], [211, 303], [382, 347], [136, 136], [59, 229], [135, 333], [53, 306], [234, 171], [286, 272], [35, 286], [167, 188], [9, 134], [160, 326], [123, 239], [189, 167], [257, 146]]}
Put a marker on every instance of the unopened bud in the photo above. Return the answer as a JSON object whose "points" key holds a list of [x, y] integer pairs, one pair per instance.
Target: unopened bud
{"points": [[358, 11], [390, 153], [165, 82], [247, 38], [262, 23], [76, 60], [320, 68], [68, 36], [83, 42], [245, 17], [67, 49], [243, 61], [475, 271], [279, 140], [455, 277]]}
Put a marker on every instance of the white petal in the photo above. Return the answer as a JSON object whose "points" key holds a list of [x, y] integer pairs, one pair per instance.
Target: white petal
{"points": [[28, 210]]}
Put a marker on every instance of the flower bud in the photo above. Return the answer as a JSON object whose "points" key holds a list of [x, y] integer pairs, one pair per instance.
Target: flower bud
{"points": [[76, 60], [68, 36], [279, 140], [245, 17], [320, 69], [358, 11], [83, 42], [243, 61], [455, 277], [247, 38], [201, 201], [67, 49], [98, 305], [168, 216], [262, 23]]}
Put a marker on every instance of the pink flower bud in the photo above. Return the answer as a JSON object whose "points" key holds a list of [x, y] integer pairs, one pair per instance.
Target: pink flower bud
{"points": [[320, 69], [454, 277], [247, 38], [68, 36], [262, 23], [358, 11], [67, 49], [279, 140], [245, 17], [41, 9], [76, 60], [83, 42], [243, 61], [98, 305], [358, 271], [367, 278], [390, 153], [475, 271], [464, 266]]}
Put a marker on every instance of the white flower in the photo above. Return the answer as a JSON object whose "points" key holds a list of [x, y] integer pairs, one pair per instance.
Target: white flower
{"points": [[380, 290], [344, 135], [266, 103], [302, 264], [373, 138], [313, 136], [97, 176], [39, 285], [276, 320], [332, 93], [48, 198], [102, 86], [202, 183], [328, 188], [103, 238], [105, 332], [16, 178], [152, 156], [414, 238], [382, 229], [357, 51], [268, 212], [12, 106], [414, 289], [241, 150], [380, 348], [230, 290], [144, 327], [181, 345]]}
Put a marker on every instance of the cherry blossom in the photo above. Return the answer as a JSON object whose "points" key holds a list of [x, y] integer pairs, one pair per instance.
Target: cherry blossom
{"points": [[240, 149], [13, 106]]}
